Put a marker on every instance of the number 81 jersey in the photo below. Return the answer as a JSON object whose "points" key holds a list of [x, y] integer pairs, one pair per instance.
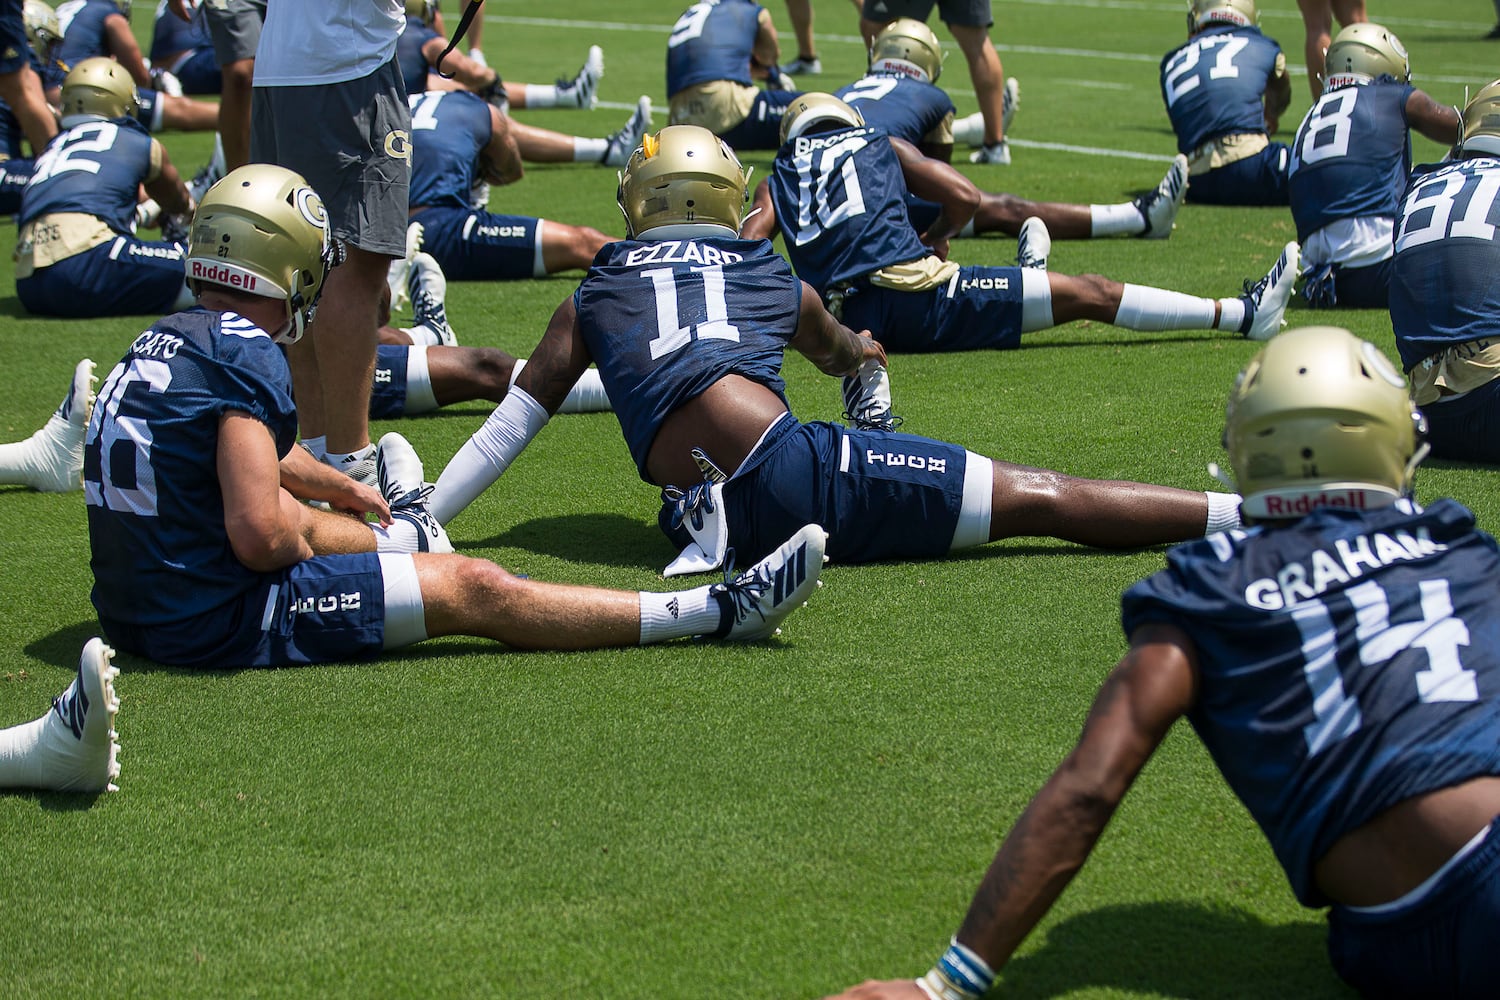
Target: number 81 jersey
{"points": [[1347, 661]]}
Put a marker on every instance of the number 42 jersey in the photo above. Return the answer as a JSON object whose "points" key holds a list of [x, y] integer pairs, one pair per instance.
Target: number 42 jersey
{"points": [[1347, 661]]}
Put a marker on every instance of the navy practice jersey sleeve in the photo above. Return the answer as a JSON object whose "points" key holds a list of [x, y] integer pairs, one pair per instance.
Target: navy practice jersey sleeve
{"points": [[160, 551], [665, 320], [1214, 84], [1445, 284], [1347, 661]]}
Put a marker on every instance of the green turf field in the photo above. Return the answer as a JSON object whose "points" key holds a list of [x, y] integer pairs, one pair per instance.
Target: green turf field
{"points": [[695, 820]]}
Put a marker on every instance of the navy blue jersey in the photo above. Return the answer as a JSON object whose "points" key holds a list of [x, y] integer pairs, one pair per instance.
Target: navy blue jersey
{"points": [[156, 514], [409, 56], [82, 24], [1351, 155], [712, 40], [448, 130], [1443, 287], [92, 168], [171, 34], [11, 134], [906, 108], [1347, 661], [1214, 84], [841, 203], [657, 320]]}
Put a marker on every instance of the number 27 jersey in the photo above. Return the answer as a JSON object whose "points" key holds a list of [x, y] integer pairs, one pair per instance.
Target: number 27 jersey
{"points": [[1347, 662]]}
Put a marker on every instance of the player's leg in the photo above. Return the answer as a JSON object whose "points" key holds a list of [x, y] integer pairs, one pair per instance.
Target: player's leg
{"points": [[184, 114], [21, 90], [51, 460], [1103, 513], [969, 22], [73, 748], [800, 13], [235, 27], [580, 92], [460, 374], [566, 247]]}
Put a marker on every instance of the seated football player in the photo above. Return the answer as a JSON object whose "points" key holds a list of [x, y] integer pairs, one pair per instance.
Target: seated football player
{"points": [[74, 747], [716, 51], [1350, 162], [1226, 89], [1445, 305], [689, 324], [76, 253], [51, 460], [1339, 660], [899, 95], [16, 161], [458, 140], [204, 554], [867, 261], [102, 28], [182, 54]]}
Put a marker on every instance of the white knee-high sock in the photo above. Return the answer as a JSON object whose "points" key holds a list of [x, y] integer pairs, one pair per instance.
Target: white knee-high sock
{"points": [[1145, 308], [1123, 219]]}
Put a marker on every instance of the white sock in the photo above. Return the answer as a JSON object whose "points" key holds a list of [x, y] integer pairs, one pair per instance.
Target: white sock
{"points": [[1223, 512], [969, 129], [51, 459], [586, 396], [541, 95], [423, 336], [1146, 308], [589, 150], [317, 447], [673, 616], [337, 459], [401, 536], [1123, 219], [1232, 316]]}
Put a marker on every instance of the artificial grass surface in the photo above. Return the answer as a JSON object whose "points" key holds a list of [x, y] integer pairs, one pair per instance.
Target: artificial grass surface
{"points": [[693, 820]]}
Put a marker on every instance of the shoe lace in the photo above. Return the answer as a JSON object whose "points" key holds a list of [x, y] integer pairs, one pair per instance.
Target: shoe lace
{"points": [[411, 498], [742, 593], [874, 419]]}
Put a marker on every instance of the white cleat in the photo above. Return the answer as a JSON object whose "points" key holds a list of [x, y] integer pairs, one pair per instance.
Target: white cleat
{"points": [[1033, 244], [801, 65], [1159, 208], [755, 602], [51, 460], [1010, 100], [428, 289], [396, 275], [78, 748], [1266, 300], [996, 153], [583, 90], [625, 142], [402, 485]]}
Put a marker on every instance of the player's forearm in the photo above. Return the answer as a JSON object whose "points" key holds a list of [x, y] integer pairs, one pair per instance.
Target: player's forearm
{"points": [[270, 540]]}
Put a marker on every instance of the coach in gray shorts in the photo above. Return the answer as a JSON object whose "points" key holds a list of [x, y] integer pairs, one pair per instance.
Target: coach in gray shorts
{"points": [[329, 103], [969, 21]]}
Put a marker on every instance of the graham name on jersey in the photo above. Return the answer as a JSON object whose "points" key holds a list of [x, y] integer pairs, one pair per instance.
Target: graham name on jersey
{"points": [[680, 252], [1350, 559]]}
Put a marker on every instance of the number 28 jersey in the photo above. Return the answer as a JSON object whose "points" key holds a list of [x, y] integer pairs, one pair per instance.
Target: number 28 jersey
{"points": [[160, 551], [665, 320], [1351, 155], [1347, 662]]}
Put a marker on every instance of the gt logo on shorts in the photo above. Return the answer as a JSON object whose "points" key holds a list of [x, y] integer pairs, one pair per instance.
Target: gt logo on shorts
{"points": [[984, 284], [398, 144], [895, 460], [327, 604]]}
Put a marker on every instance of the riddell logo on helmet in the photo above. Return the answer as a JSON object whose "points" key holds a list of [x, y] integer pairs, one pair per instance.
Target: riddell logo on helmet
{"points": [[219, 274], [1289, 506]]}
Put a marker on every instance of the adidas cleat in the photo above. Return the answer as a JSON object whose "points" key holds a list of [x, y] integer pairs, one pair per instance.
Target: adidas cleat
{"points": [[399, 471], [583, 90], [1266, 300], [1159, 208], [755, 602], [628, 139], [1033, 244]]}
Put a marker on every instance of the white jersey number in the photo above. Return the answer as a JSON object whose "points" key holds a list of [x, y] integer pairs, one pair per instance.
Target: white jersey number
{"points": [[1438, 633], [670, 334], [815, 169], [1184, 72], [110, 428], [1427, 215]]}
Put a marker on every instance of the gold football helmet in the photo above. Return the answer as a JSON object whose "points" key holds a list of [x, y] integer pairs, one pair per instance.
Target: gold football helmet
{"points": [[1202, 13], [97, 88], [1481, 122], [682, 181], [423, 10], [911, 45], [1363, 51], [813, 107], [1320, 418], [42, 30], [263, 230]]}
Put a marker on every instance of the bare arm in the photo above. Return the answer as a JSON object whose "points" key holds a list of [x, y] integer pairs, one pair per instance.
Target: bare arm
{"points": [[263, 521], [762, 222], [123, 46], [558, 360], [830, 345], [767, 49], [168, 189], [1148, 691], [1278, 96], [501, 156], [1437, 122], [459, 66], [940, 182]]}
